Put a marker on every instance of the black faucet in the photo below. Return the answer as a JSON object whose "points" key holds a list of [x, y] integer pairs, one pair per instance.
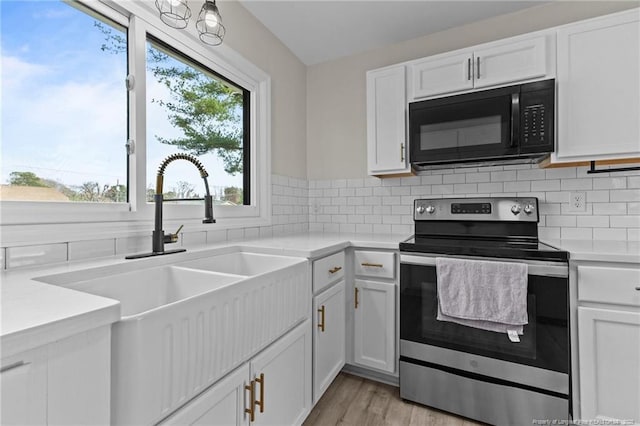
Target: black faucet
{"points": [[158, 238]]}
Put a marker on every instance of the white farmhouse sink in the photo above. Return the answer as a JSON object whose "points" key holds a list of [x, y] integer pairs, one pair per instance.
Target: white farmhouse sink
{"points": [[148, 289], [185, 325], [240, 263]]}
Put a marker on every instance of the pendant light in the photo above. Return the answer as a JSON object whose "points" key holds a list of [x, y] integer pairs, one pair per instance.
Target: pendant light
{"points": [[174, 13], [209, 24]]}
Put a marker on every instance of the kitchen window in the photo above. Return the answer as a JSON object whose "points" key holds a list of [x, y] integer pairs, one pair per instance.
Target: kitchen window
{"points": [[72, 141], [64, 115]]}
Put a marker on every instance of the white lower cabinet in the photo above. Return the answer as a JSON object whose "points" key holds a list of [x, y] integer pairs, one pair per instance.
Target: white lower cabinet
{"points": [[374, 328], [328, 337], [23, 387], [66, 382], [274, 388], [609, 342]]}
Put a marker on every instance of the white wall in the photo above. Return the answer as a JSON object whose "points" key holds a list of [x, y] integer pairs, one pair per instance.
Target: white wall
{"points": [[247, 36], [336, 113]]}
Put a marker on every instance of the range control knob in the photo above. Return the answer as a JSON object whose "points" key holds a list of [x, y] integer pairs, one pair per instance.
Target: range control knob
{"points": [[431, 209], [515, 209], [529, 208], [420, 209]]}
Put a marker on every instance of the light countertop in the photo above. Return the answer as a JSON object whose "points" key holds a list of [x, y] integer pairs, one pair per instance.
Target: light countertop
{"points": [[34, 313]]}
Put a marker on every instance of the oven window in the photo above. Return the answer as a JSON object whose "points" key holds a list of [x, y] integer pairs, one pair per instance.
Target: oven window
{"points": [[545, 340]]}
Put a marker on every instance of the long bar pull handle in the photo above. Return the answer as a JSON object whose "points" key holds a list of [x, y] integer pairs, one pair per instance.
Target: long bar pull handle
{"points": [[401, 152], [252, 398], [356, 301], [260, 403], [335, 269], [373, 265], [478, 68], [515, 119], [469, 69], [321, 322]]}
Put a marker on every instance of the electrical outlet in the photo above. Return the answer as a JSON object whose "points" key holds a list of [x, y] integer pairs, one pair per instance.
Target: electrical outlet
{"points": [[577, 202]]}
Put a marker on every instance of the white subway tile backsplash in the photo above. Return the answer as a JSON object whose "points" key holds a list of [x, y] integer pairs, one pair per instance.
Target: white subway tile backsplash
{"points": [[453, 178], [576, 184], [592, 221], [478, 177], [560, 173], [610, 209], [517, 186], [130, 245], [625, 221], [561, 221], [531, 174], [503, 176], [3, 257], [79, 250], [576, 233], [431, 180], [546, 185], [597, 196], [17, 257], [610, 183], [625, 195], [465, 188]]}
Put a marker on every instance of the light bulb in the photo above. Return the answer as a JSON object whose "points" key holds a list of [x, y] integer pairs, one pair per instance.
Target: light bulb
{"points": [[174, 3], [211, 19]]}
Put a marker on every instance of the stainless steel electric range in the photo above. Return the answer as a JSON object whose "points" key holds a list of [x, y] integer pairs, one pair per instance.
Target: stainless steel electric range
{"points": [[475, 373]]}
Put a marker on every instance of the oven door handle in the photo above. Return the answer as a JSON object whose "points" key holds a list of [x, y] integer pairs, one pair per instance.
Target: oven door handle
{"points": [[534, 267]]}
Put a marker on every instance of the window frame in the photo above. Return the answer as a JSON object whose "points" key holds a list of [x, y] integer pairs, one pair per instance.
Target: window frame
{"points": [[64, 221]]}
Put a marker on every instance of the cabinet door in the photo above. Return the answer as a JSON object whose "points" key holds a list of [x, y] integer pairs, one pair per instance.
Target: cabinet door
{"points": [[328, 337], [284, 368], [442, 74], [599, 89], [23, 388], [375, 325], [386, 121], [222, 404], [609, 350], [510, 62]]}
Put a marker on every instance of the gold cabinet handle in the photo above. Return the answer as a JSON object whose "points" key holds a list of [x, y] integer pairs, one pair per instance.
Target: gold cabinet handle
{"points": [[321, 323], [356, 297], [373, 265], [401, 152], [260, 403], [252, 397], [335, 269]]}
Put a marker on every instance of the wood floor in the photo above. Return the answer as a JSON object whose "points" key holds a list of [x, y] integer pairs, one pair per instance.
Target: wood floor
{"points": [[352, 400]]}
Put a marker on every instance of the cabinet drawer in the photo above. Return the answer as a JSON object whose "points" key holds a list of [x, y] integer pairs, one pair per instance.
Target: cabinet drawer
{"points": [[609, 285], [375, 264], [327, 270]]}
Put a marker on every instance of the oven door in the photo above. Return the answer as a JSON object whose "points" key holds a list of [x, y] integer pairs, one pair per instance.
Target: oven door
{"points": [[465, 127], [545, 340]]}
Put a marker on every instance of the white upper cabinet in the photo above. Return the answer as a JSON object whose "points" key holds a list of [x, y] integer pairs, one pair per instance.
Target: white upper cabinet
{"points": [[510, 62], [491, 64], [599, 89], [442, 74], [386, 121]]}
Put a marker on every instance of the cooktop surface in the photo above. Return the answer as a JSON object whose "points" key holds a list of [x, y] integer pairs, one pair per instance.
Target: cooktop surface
{"points": [[507, 248]]}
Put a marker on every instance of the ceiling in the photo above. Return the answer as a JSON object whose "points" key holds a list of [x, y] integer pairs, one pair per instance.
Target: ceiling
{"points": [[322, 30]]}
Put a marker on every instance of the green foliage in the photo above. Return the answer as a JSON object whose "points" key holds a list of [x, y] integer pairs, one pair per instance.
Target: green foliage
{"points": [[206, 110], [26, 179]]}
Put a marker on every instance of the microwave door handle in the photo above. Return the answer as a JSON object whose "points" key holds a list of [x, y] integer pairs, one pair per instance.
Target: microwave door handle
{"points": [[515, 119]]}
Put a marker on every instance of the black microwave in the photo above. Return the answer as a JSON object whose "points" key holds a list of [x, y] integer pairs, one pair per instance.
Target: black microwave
{"points": [[513, 124]]}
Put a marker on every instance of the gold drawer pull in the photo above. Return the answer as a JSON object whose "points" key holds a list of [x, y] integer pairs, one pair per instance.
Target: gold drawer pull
{"points": [[260, 403], [373, 265], [356, 297], [335, 269], [321, 323], [252, 397]]}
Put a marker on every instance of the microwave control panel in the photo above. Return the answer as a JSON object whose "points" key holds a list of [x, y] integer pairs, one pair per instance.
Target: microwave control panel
{"points": [[533, 124]]}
